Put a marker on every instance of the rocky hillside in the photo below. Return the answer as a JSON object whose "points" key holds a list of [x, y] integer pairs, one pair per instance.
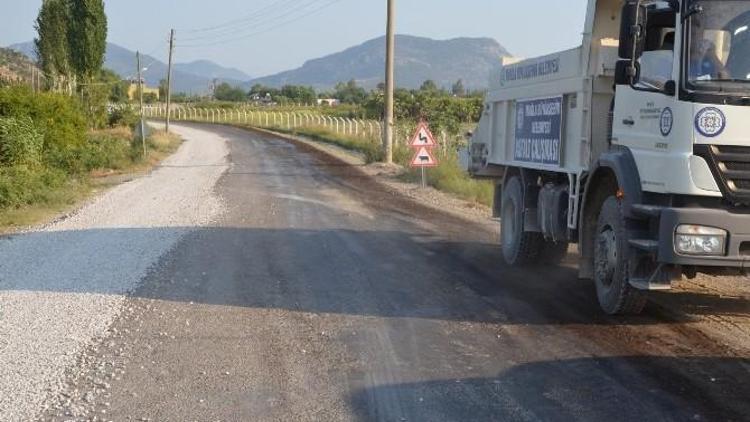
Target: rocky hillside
{"points": [[195, 77], [14, 66], [417, 59]]}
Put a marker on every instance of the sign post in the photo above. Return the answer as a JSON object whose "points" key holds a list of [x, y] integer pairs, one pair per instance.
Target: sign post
{"points": [[423, 143]]}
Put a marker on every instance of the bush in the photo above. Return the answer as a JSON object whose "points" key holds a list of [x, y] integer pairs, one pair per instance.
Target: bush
{"points": [[123, 115], [106, 150], [59, 118], [21, 185], [20, 142]]}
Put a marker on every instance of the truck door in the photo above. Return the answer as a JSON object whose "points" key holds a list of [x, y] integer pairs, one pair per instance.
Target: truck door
{"points": [[644, 116]]}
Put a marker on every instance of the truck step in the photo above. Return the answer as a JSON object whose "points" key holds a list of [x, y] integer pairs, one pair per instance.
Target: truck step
{"points": [[660, 279], [647, 210], [645, 284], [651, 246]]}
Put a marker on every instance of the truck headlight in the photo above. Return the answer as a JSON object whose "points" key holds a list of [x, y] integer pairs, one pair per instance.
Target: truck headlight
{"points": [[700, 240]]}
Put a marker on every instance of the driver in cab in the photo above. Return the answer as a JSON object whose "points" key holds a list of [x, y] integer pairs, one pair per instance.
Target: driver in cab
{"points": [[705, 64]]}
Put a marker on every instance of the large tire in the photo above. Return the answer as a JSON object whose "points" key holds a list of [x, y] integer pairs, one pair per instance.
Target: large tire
{"points": [[519, 247], [612, 263]]}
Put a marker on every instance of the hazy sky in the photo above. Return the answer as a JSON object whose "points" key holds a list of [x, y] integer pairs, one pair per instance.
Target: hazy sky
{"points": [[267, 36]]}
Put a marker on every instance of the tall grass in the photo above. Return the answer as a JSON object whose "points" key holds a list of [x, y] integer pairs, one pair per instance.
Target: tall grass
{"points": [[449, 177]]}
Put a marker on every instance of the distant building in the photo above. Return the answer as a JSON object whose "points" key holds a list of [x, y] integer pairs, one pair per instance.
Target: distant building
{"points": [[331, 102], [133, 90], [262, 99]]}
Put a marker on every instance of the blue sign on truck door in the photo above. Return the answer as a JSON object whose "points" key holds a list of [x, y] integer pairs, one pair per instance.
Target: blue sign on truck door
{"points": [[539, 131]]}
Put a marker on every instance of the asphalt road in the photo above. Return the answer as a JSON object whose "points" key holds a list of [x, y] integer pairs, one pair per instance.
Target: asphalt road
{"points": [[319, 294]]}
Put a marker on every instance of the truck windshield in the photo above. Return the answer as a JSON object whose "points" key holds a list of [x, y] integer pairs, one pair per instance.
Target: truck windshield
{"points": [[719, 46]]}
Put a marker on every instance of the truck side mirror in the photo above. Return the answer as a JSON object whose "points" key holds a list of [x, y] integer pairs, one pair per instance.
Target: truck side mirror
{"points": [[627, 72], [670, 88], [633, 30]]}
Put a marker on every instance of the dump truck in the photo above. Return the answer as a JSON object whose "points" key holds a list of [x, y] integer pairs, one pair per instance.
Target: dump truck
{"points": [[634, 146]]}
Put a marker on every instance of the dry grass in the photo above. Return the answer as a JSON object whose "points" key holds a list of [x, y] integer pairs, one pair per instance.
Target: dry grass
{"points": [[122, 132], [163, 141]]}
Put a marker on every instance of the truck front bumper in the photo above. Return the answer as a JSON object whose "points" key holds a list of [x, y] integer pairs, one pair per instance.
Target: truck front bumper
{"points": [[738, 243]]}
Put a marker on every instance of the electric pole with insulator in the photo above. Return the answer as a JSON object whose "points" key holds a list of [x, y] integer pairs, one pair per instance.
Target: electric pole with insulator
{"points": [[389, 82], [169, 78], [140, 96]]}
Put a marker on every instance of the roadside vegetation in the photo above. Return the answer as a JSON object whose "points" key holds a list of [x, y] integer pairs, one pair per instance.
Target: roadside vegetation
{"points": [[73, 132], [450, 111], [50, 158], [447, 177]]}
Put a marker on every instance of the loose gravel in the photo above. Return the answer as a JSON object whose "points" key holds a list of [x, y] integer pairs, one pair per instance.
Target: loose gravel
{"points": [[62, 285]]}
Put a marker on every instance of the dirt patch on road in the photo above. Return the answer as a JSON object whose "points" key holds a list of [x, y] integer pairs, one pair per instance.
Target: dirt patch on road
{"points": [[713, 311]]}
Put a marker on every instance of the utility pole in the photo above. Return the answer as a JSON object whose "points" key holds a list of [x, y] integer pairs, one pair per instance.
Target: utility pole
{"points": [[140, 96], [169, 77], [389, 81]]}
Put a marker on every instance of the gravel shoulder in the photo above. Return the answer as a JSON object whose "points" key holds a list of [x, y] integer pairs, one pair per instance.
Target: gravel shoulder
{"points": [[62, 285]]}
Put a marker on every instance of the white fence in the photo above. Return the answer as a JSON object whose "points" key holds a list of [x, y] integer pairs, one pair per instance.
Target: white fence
{"points": [[371, 130], [271, 119]]}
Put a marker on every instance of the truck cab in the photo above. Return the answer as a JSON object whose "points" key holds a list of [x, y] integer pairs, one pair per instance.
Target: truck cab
{"points": [[635, 146]]}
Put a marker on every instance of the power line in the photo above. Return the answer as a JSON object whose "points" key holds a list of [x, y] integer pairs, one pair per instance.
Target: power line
{"points": [[235, 22], [264, 19], [252, 34]]}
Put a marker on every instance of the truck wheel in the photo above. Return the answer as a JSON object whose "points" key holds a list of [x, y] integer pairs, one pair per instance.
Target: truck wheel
{"points": [[611, 263], [554, 252], [519, 247]]}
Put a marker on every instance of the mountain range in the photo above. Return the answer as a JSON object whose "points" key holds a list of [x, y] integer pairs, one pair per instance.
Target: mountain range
{"points": [[194, 77], [417, 59]]}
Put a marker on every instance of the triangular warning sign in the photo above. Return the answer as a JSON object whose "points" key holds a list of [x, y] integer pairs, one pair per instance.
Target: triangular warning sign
{"points": [[424, 158], [423, 137]]}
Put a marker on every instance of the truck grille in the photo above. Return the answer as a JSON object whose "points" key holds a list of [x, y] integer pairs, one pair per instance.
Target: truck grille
{"points": [[731, 168]]}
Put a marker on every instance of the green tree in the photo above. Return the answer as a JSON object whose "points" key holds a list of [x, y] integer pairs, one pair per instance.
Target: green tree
{"points": [[87, 37], [51, 44], [117, 88], [299, 94], [106, 87], [350, 93], [150, 98], [429, 86], [226, 92], [458, 90]]}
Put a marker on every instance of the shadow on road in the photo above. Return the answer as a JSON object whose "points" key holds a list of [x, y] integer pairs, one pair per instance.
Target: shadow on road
{"points": [[597, 389], [386, 274]]}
